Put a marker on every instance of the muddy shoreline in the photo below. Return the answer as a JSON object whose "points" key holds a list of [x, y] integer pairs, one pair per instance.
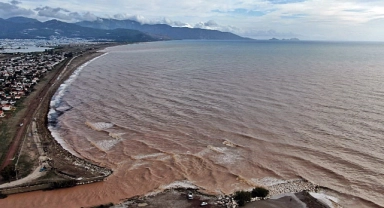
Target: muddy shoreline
{"points": [[64, 165], [293, 193]]}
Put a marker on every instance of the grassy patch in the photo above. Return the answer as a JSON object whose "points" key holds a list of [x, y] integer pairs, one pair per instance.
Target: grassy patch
{"points": [[5, 139], [25, 166], [49, 176], [104, 205], [19, 106]]}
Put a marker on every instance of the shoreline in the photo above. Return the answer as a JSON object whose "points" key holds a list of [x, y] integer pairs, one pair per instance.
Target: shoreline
{"points": [[43, 128], [293, 193], [88, 171]]}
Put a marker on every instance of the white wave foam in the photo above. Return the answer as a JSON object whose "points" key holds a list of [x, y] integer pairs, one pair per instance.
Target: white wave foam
{"points": [[56, 136], [155, 155], [50, 113], [138, 164], [55, 102], [225, 156], [217, 149], [63, 108], [229, 144], [106, 145], [116, 135], [179, 184], [99, 126]]}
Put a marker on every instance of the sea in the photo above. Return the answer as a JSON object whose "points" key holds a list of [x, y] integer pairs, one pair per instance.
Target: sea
{"points": [[225, 116]]}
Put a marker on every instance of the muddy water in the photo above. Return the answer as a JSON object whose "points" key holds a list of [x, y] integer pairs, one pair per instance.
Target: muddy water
{"points": [[224, 116]]}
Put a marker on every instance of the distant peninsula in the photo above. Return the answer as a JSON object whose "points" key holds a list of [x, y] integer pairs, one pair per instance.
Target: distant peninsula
{"points": [[289, 39]]}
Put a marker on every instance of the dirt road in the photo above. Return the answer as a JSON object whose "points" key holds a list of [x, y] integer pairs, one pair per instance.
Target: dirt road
{"points": [[27, 118], [34, 175]]}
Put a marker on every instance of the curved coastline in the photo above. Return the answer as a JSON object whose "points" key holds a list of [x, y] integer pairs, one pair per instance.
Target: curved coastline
{"points": [[276, 190], [65, 164], [55, 101], [60, 145]]}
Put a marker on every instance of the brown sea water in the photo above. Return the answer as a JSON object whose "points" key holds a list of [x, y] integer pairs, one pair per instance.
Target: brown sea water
{"points": [[225, 116]]}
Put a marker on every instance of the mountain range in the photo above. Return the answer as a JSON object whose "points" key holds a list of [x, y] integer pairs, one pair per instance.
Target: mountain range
{"points": [[160, 30], [104, 29]]}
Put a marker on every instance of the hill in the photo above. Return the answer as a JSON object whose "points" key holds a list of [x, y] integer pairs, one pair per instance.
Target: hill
{"points": [[161, 30], [26, 28]]}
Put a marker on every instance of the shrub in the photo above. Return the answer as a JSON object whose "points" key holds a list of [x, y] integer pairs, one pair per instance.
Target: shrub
{"points": [[8, 173], [260, 192], [62, 184], [3, 196], [242, 197]]}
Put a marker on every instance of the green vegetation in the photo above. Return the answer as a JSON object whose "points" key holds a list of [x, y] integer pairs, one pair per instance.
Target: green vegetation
{"points": [[19, 106], [8, 173], [242, 197], [24, 166], [62, 184], [4, 140], [260, 192], [3, 196], [104, 205]]}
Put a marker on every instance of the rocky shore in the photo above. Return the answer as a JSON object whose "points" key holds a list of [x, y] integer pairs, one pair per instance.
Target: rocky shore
{"points": [[177, 197], [292, 186]]}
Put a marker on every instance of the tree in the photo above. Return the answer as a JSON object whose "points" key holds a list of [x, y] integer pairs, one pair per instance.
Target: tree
{"points": [[8, 172], [3, 196], [242, 197], [260, 192], [68, 55]]}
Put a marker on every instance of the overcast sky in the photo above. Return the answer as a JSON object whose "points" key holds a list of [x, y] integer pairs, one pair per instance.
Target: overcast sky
{"points": [[260, 19]]}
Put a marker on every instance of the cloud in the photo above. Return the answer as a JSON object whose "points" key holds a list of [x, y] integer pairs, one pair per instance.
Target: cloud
{"points": [[243, 12], [285, 1], [212, 25], [64, 14], [141, 19], [137, 18], [11, 10], [14, 2], [251, 18], [207, 25]]}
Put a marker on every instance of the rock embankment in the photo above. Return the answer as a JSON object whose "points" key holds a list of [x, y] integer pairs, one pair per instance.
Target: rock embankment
{"points": [[82, 165], [92, 167], [292, 186], [178, 196]]}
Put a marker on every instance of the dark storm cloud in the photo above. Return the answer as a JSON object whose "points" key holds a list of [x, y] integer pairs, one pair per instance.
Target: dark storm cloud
{"points": [[14, 2], [63, 14], [11, 9]]}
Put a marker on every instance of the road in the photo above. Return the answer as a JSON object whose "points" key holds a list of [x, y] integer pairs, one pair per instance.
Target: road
{"points": [[36, 138], [27, 118], [34, 175]]}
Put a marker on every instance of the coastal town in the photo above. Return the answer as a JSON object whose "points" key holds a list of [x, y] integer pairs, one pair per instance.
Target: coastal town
{"points": [[31, 159], [19, 74]]}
